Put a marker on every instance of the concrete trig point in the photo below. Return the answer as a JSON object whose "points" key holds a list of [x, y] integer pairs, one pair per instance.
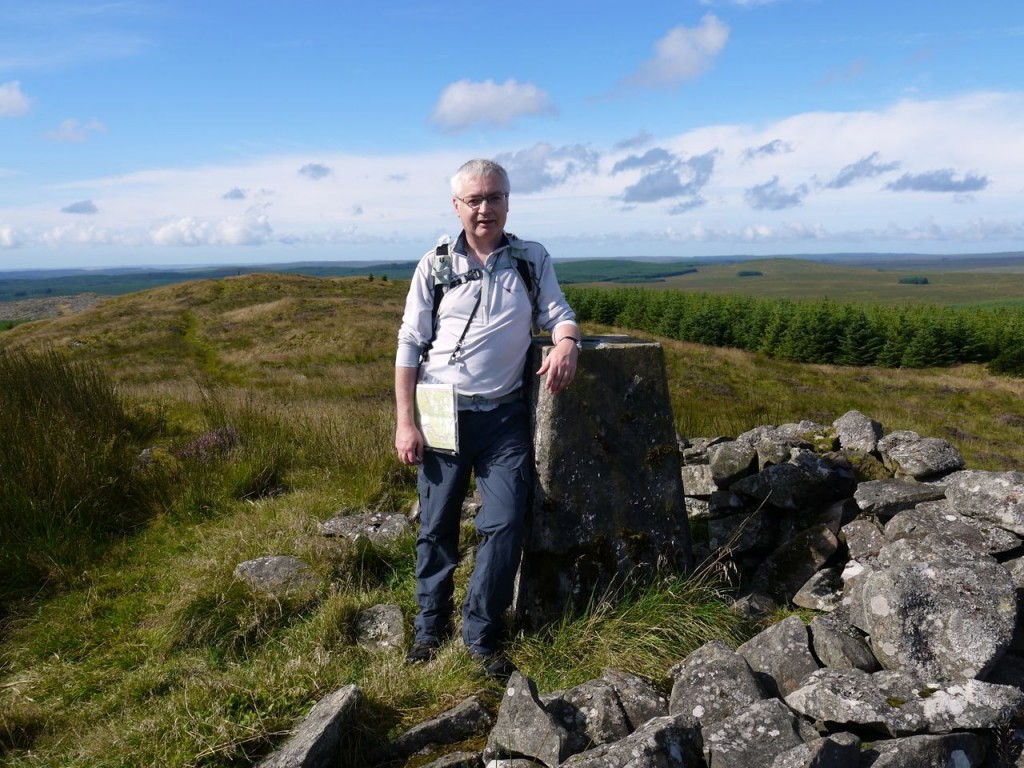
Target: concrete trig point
{"points": [[608, 503]]}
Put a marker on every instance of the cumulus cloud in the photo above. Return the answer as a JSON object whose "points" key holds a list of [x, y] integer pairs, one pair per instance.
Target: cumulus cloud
{"points": [[9, 238], [236, 193], [543, 165], [943, 180], [652, 157], [634, 142], [253, 228], [865, 168], [771, 149], [13, 103], [72, 131], [315, 171], [666, 176], [682, 54], [82, 206], [771, 196], [464, 104]]}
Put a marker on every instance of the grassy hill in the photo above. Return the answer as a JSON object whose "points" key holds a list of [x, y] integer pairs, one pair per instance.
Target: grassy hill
{"points": [[132, 644]]}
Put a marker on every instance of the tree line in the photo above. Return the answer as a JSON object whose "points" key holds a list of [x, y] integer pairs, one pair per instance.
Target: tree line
{"points": [[823, 331]]}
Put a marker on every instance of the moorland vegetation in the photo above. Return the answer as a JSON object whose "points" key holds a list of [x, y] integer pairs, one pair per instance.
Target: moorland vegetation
{"points": [[163, 437]]}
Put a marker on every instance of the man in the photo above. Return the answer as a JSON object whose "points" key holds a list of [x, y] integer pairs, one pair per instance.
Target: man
{"points": [[479, 342]]}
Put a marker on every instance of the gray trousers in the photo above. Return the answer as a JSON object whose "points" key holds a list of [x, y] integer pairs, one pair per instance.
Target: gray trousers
{"points": [[495, 445]]}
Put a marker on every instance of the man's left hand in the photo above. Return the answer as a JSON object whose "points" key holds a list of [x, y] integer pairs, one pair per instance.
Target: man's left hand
{"points": [[559, 366]]}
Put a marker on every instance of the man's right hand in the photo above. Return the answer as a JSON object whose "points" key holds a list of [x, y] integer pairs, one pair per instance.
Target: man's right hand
{"points": [[409, 444]]}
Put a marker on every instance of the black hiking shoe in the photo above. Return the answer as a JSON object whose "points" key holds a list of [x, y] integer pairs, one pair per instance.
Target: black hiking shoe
{"points": [[422, 651], [495, 666]]}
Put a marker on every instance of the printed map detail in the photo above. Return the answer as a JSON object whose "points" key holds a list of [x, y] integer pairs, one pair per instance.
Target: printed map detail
{"points": [[437, 416]]}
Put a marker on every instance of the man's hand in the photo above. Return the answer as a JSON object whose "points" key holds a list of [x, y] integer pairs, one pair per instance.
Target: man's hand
{"points": [[560, 366], [409, 444]]}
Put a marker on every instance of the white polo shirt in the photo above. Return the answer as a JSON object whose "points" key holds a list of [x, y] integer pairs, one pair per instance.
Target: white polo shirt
{"points": [[490, 362]]}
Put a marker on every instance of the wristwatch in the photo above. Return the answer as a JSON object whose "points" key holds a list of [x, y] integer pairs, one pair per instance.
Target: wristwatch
{"points": [[574, 340]]}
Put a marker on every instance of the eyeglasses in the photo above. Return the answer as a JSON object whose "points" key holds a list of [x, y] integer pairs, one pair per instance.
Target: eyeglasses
{"points": [[493, 201]]}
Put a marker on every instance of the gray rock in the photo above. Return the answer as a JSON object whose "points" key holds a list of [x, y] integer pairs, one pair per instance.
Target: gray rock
{"points": [[316, 740], [525, 728], [462, 760], [608, 493], [899, 704], [839, 750], [836, 515], [730, 462], [275, 574], [755, 606], [725, 504], [378, 528], [781, 656], [822, 592], [840, 646], [752, 738], [884, 498], [793, 562], [853, 603], [804, 482], [938, 517], [937, 609], [639, 698], [673, 741], [996, 498], [743, 532], [919, 457], [857, 432], [863, 539], [462, 722], [954, 750], [380, 627], [697, 509], [712, 684], [591, 714], [698, 480]]}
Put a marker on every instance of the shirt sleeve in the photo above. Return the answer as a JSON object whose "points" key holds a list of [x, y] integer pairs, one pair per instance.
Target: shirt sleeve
{"points": [[552, 307], [416, 330]]}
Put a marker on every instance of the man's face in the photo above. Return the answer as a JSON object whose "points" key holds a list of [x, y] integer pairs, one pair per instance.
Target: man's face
{"points": [[487, 222]]}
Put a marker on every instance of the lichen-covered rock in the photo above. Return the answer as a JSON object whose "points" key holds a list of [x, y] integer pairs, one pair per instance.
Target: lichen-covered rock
{"points": [[315, 742], [838, 750], [753, 737], [841, 646], [698, 480], [591, 714], [793, 562], [938, 609], [822, 592], [673, 741], [464, 721], [276, 574], [730, 462], [919, 457], [712, 684], [939, 518], [804, 482], [996, 498], [744, 532], [884, 498], [380, 627], [857, 432], [898, 704], [525, 728], [864, 538], [376, 527], [639, 698], [781, 656], [953, 750]]}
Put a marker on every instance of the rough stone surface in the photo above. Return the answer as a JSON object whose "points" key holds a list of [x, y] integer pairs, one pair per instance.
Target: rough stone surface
{"points": [[919, 457], [639, 698], [698, 480], [996, 498], [804, 482], [713, 683], [615, 509], [840, 646], [276, 574], [863, 539], [884, 498], [525, 728], [899, 704], [793, 562], [822, 592], [839, 750], [730, 462], [954, 750], [378, 528], [380, 627], [857, 432], [753, 737], [591, 714], [781, 656], [938, 609], [316, 740], [938, 517], [664, 742], [464, 721], [459, 760]]}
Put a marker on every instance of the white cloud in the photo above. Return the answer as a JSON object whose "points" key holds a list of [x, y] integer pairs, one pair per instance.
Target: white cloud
{"points": [[464, 104], [13, 103], [73, 131], [682, 54]]}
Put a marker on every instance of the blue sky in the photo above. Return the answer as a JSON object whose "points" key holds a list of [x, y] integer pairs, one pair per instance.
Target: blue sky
{"points": [[152, 132]]}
